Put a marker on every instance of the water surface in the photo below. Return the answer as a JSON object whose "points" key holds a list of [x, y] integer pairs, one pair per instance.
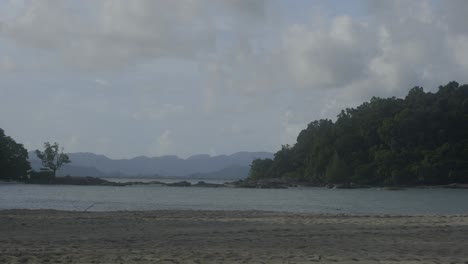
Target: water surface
{"points": [[154, 197]]}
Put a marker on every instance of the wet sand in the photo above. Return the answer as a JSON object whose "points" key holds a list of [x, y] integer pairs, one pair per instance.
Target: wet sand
{"points": [[46, 236]]}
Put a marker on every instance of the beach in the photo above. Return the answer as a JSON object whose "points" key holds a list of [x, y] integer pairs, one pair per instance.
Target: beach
{"points": [[184, 236]]}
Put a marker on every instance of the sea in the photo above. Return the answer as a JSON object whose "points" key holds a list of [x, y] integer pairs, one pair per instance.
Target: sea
{"points": [[297, 200]]}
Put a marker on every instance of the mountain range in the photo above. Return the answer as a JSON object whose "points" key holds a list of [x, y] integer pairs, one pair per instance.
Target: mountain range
{"points": [[234, 166]]}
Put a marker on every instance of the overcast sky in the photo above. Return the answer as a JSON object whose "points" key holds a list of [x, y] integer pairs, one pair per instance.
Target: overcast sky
{"points": [[128, 78]]}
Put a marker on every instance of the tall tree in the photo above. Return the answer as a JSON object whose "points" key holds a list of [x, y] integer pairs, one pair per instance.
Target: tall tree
{"points": [[14, 163], [52, 157]]}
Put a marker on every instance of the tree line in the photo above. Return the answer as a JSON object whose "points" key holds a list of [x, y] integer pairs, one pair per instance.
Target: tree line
{"points": [[421, 139], [14, 160]]}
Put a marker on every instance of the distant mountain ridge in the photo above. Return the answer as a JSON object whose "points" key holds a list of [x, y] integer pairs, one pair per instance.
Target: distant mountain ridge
{"points": [[90, 164], [232, 172]]}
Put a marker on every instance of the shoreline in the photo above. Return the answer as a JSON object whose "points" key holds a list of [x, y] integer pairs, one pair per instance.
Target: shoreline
{"points": [[95, 181], [192, 236]]}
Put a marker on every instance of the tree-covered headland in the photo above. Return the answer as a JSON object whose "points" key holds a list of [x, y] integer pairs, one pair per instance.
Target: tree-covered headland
{"points": [[421, 139]]}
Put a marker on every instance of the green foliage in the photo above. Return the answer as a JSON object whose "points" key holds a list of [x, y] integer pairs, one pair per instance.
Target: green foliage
{"points": [[14, 163], [421, 139], [52, 158], [260, 168], [337, 170]]}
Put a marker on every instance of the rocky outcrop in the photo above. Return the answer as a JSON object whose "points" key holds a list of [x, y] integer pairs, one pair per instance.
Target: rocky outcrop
{"points": [[179, 184], [206, 184], [68, 180]]}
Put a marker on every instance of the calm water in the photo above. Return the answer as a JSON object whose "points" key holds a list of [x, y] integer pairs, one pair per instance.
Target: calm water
{"points": [[148, 197]]}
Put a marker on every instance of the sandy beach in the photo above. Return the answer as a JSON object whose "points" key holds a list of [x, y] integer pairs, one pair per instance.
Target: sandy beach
{"points": [[46, 236]]}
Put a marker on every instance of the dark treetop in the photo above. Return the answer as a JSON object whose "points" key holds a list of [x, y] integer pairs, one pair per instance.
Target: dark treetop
{"points": [[14, 163]]}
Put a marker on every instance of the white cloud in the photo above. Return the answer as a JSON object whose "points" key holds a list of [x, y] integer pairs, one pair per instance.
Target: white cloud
{"points": [[334, 56], [112, 33], [162, 145], [250, 70], [102, 82], [399, 45]]}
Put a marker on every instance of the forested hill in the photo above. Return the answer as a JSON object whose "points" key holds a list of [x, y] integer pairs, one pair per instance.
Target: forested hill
{"points": [[419, 140]]}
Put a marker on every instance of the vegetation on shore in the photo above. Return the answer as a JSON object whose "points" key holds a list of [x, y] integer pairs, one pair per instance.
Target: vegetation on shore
{"points": [[14, 164], [52, 157], [419, 140]]}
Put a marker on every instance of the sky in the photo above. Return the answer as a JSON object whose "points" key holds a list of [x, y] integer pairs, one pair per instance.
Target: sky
{"points": [[148, 77]]}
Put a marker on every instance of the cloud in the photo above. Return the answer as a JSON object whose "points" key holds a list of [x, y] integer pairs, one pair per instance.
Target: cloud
{"points": [[7, 64], [162, 145], [453, 16], [152, 111], [291, 124], [102, 82], [333, 56], [399, 45], [115, 33], [240, 51], [415, 45], [253, 71], [459, 51]]}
